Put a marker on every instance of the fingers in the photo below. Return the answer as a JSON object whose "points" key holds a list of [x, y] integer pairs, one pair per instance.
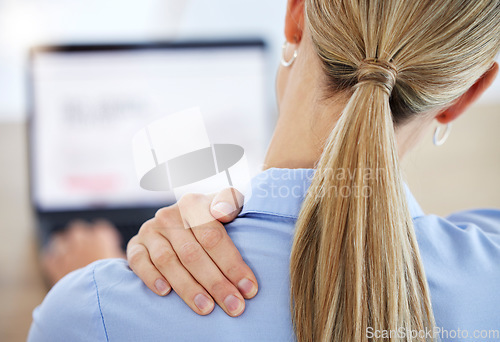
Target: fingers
{"points": [[107, 233], [214, 239], [159, 267], [62, 241], [166, 261], [216, 242], [198, 263], [51, 261], [226, 205], [141, 264], [77, 246], [221, 249], [107, 229]]}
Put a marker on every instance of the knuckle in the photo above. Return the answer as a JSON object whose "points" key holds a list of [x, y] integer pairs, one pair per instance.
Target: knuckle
{"points": [[166, 214], [135, 253], [146, 227], [211, 237], [219, 287], [191, 199], [133, 241], [235, 270], [163, 256], [190, 252]]}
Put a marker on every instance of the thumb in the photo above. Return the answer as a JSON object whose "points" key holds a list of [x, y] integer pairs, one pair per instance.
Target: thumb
{"points": [[226, 205]]}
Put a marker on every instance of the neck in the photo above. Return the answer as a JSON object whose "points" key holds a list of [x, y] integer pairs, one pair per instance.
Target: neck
{"points": [[300, 135], [305, 120]]}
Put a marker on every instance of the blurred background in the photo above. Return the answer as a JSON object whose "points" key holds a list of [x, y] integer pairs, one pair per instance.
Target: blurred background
{"points": [[463, 173]]}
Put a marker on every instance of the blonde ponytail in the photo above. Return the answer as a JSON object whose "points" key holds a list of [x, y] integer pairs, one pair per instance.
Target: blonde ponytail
{"points": [[366, 246], [355, 264]]}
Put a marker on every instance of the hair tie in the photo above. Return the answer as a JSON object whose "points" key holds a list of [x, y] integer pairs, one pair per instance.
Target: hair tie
{"points": [[377, 72]]}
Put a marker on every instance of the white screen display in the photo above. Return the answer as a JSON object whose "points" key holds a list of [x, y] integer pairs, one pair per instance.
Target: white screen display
{"points": [[88, 106]]}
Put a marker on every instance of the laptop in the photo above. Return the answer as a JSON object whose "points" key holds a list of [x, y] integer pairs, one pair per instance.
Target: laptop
{"points": [[88, 101]]}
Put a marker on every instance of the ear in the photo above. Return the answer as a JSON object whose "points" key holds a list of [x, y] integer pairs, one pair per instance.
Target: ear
{"points": [[469, 97], [294, 22]]}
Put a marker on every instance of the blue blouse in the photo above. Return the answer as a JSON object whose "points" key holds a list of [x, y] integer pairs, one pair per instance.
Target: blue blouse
{"points": [[105, 301]]}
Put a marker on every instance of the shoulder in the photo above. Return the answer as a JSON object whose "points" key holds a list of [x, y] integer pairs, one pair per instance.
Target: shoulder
{"points": [[487, 220], [71, 310], [461, 257], [466, 239], [476, 229]]}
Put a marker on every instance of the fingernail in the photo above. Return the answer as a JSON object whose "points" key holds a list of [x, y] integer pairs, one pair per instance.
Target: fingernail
{"points": [[223, 208], [247, 288], [202, 302], [161, 286], [233, 304]]}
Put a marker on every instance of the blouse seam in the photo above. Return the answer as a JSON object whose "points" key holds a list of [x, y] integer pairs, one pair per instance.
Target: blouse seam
{"points": [[99, 305]]}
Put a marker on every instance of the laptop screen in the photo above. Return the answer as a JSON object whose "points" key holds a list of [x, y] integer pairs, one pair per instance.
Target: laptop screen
{"points": [[89, 101]]}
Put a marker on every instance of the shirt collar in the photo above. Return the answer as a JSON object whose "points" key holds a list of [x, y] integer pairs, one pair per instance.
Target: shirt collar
{"points": [[281, 192]]}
